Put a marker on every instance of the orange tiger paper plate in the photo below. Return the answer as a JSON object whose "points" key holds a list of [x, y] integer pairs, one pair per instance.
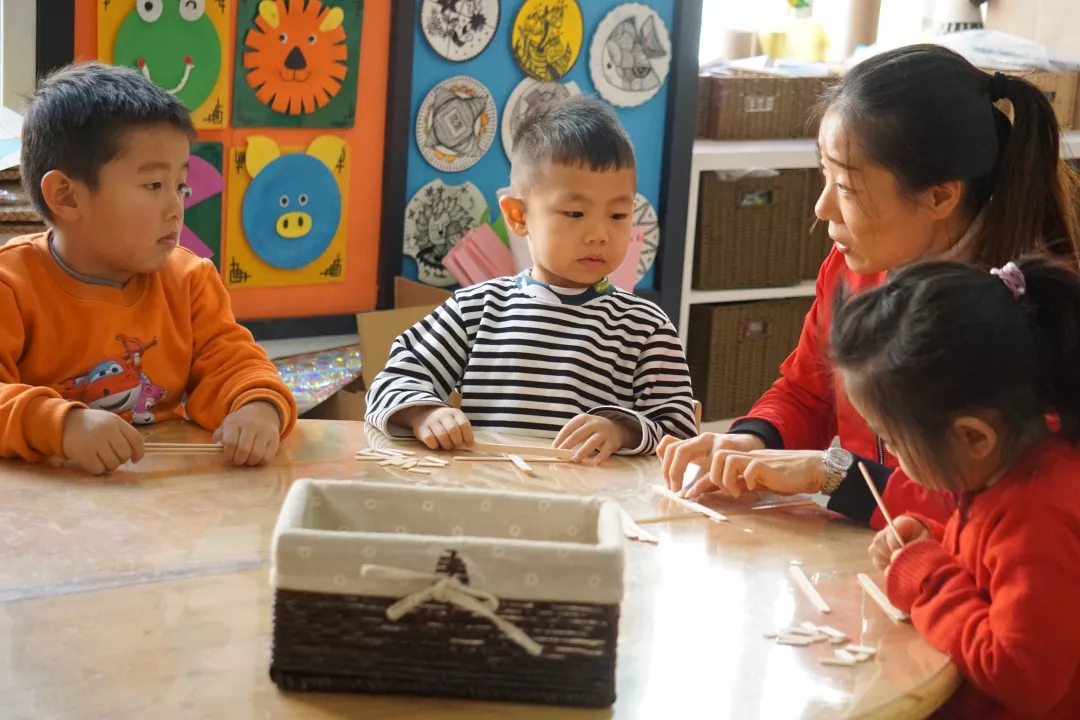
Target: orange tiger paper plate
{"points": [[295, 56]]}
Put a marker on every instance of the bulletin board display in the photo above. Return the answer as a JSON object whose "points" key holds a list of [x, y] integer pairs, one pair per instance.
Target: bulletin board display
{"points": [[479, 66], [287, 170]]}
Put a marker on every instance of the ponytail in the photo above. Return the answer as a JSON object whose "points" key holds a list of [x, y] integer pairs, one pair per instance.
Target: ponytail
{"points": [[1051, 301], [1034, 192]]}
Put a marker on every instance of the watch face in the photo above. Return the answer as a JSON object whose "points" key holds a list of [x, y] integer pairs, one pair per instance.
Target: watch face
{"points": [[841, 457]]}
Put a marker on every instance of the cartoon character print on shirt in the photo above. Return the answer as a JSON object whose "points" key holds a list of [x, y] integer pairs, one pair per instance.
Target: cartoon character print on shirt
{"points": [[118, 385]]}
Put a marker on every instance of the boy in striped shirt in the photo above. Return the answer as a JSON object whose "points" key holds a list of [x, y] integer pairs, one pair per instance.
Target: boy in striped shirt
{"points": [[557, 351]]}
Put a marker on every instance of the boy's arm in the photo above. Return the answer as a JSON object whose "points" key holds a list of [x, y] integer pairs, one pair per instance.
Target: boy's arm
{"points": [[1017, 641], [31, 417], [663, 399], [228, 369], [426, 364]]}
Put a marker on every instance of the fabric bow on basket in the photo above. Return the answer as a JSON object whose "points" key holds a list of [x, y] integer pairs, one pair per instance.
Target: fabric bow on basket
{"points": [[449, 590]]}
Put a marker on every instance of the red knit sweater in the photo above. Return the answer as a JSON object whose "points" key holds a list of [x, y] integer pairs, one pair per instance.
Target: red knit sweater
{"points": [[999, 591]]}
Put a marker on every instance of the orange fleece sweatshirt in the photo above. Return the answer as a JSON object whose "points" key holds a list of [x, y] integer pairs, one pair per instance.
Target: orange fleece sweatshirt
{"points": [[164, 346]]}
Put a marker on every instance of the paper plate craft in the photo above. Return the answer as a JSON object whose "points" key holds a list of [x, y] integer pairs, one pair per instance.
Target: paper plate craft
{"points": [[646, 219], [286, 215], [459, 30], [202, 208], [179, 45], [297, 63], [456, 124], [546, 38], [630, 55], [435, 219], [530, 96]]}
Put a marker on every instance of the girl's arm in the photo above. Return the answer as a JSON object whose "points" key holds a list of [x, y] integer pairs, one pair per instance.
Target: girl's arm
{"points": [[1019, 644]]}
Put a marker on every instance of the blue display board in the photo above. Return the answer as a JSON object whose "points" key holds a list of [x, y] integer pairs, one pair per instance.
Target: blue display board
{"points": [[496, 69]]}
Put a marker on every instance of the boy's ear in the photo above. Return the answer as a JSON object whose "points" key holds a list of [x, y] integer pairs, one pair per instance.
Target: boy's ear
{"points": [[63, 195], [513, 209]]}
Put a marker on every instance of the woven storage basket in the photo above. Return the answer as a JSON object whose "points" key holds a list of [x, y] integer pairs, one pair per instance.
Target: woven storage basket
{"points": [[750, 230], [757, 106], [738, 349], [346, 552]]}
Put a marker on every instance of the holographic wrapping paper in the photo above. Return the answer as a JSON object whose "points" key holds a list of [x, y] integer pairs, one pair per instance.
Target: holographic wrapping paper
{"points": [[315, 377]]}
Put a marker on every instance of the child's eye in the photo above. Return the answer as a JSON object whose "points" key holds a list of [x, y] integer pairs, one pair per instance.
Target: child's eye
{"points": [[184, 190], [619, 216], [842, 189], [574, 214], [153, 186]]}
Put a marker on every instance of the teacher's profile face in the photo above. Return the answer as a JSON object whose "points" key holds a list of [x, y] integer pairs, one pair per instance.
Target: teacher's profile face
{"points": [[874, 224]]}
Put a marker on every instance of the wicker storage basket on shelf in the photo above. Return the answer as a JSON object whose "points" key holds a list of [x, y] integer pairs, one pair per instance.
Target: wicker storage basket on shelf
{"points": [[738, 349], [449, 593], [750, 230]]}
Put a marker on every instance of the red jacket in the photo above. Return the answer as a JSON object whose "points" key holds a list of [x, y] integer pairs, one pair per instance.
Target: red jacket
{"points": [[998, 591], [808, 409]]}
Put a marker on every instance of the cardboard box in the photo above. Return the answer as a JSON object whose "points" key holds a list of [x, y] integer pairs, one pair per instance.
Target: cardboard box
{"points": [[1054, 23], [413, 302], [1060, 89]]}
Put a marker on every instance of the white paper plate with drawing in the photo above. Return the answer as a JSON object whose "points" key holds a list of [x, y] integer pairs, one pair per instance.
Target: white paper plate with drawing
{"points": [[645, 217], [630, 55], [528, 97], [435, 219], [456, 124], [459, 30]]}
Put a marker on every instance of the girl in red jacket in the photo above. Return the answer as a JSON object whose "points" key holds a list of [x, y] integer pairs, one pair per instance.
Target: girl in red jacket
{"points": [[956, 369], [918, 164]]}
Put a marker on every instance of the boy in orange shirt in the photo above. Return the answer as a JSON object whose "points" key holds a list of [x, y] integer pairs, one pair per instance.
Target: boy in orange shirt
{"points": [[104, 320]]}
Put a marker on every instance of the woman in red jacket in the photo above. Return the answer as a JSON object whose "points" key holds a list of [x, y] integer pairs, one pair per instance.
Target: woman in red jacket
{"points": [[997, 586], [919, 163]]}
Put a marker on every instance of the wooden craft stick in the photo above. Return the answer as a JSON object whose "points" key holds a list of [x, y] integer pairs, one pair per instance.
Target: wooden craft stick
{"points": [[632, 531], [798, 640], [521, 465], [861, 650], [410, 464], [419, 471], [520, 450], [837, 661], [182, 448], [424, 464], [506, 458], [433, 459], [395, 462], [844, 655], [689, 504], [880, 502], [666, 518], [875, 593], [808, 589]]}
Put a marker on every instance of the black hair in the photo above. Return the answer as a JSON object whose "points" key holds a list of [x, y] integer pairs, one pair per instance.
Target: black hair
{"points": [[78, 116], [928, 116], [941, 340], [578, 131]]}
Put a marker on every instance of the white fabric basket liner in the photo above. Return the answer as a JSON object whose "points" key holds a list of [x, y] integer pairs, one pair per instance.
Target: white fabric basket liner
{"points": [[546, 548]]}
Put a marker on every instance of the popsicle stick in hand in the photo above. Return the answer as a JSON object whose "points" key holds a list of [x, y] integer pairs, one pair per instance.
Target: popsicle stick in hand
{"points": [[880, 502]]}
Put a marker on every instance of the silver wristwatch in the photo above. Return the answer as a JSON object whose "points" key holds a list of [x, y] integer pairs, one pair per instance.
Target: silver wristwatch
{"points": [[838, 462]]}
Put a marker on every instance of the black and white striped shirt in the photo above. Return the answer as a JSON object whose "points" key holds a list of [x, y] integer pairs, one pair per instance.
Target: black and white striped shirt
{"points": [[526, 360]]}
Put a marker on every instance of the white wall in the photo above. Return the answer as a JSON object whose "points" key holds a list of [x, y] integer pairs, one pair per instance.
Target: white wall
{"points": [[17, 51]]}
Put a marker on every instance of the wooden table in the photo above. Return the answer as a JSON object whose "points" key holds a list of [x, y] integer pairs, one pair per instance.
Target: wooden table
{"points": [[145, 595]]}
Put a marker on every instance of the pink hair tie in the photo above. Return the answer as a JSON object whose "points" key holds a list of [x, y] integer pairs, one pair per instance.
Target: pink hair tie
{"points": [[1013, 277]]}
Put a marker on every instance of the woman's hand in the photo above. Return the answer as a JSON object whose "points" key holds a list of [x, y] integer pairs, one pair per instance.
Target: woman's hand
{"points": [[785, 472], [702, 451], [885, 547]]}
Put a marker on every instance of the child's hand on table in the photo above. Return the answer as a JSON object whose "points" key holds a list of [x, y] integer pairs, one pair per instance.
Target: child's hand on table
{"points": [[437, 427], [251, 433], [594, 434], [99, 441], [884, 548]]}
